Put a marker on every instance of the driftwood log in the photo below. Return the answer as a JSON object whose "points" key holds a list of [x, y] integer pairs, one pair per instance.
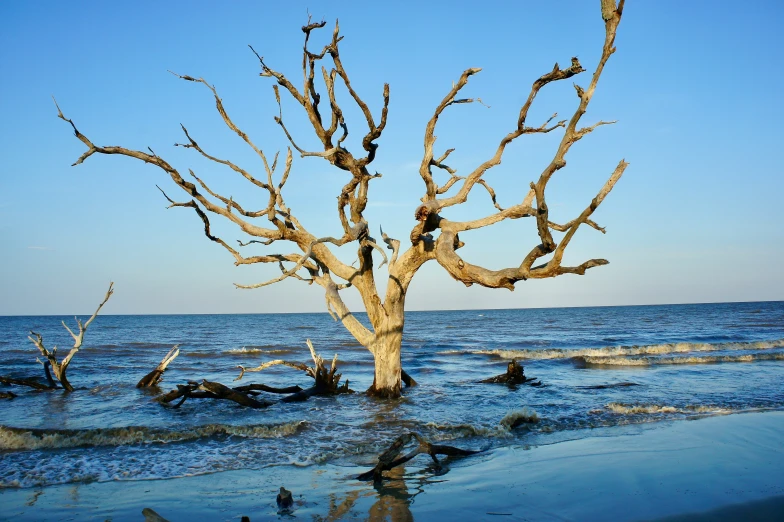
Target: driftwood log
{"points": [[210, 390], [389, 459], [515, 374], [31, 382], [156, 376], [7, 395]]}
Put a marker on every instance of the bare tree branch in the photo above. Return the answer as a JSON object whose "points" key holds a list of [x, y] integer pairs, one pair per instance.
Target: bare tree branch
{"points": [[60, 368]]}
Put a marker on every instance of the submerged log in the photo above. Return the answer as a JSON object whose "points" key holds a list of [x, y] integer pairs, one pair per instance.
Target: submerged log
{"points": [[210, 390], [389, 459], [152, 516], [407, 379], [30, 382], [156, 376], [254, 389], [515, 374]]}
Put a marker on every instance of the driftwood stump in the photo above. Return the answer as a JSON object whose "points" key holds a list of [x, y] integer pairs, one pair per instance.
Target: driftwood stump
{"points": [[156, 376], [515, 374]]}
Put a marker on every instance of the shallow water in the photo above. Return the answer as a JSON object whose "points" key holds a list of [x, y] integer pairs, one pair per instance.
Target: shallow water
{"points": [[601, 367]]}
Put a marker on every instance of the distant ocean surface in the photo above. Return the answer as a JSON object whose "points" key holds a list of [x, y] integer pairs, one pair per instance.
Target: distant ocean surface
{"points": [[686, 361]]}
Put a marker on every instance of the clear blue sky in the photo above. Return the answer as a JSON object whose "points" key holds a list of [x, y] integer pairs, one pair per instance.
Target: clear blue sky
{"points": [[695, 86]]}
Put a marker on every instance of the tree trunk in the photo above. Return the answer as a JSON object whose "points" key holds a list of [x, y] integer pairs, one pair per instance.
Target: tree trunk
{"points": [[387, 381]]}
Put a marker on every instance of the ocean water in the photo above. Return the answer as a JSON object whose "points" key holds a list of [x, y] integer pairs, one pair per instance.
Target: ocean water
{"points": [[603, 371]]}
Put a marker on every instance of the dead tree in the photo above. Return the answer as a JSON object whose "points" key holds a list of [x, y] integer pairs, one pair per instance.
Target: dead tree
{"points": [[389, 459], [156, 376], [59, 368], [433, 236]]}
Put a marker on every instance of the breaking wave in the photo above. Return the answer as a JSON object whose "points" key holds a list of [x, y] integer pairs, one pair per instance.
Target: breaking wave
{"points": [[622, 351], [695, 359], [637, 409], [36, 439], [270, 349], [503, 429]]}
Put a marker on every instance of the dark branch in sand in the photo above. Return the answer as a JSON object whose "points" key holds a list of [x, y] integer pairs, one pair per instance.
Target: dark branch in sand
{"points": [[389, 459]]}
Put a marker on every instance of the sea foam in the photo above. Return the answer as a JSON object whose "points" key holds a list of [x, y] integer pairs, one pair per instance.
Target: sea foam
{"points": [[622, 351], [27, 439]]}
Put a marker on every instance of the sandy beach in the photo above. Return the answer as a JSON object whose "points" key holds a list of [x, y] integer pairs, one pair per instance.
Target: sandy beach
{"points": [[724, 467]]}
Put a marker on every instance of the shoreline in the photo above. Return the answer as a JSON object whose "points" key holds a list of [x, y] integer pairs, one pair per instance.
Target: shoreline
{"points": [[711, 467]]}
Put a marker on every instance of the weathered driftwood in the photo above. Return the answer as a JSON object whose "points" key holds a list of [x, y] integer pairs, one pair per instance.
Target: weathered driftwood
{"points": [[7, 395], [156, 376], [327, 380], [210, 390], [30, 382], [59, 368], [255, 389], [313, 259], [389, 459], [515, 374]]}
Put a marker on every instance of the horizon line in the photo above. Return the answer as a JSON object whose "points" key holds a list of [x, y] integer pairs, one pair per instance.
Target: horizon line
{"points": [[416, 310]]}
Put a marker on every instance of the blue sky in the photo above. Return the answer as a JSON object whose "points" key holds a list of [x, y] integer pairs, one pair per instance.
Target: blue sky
{"points": [[695, 87]]}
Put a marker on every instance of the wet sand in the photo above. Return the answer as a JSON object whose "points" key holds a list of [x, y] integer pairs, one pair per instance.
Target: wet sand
{"points": [[728, 467]]}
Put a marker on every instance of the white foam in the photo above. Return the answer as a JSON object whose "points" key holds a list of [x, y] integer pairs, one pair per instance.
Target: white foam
{"points": [[637, 409], [622, 351], [694, 359], [526, 415], [21, 439]]}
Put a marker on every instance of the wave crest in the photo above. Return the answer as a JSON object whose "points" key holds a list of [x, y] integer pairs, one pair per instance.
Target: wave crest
{"points": [[637, 409], [622, 351], [36, 439], [695, 359]]}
